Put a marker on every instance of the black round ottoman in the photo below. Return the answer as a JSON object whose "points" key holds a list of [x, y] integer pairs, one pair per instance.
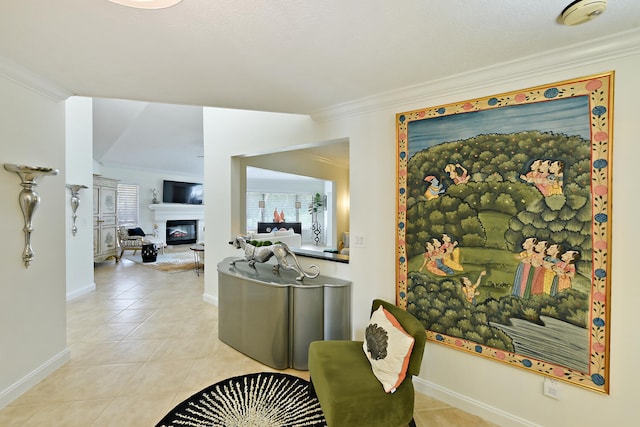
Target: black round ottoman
{"points": [[149, 252]]}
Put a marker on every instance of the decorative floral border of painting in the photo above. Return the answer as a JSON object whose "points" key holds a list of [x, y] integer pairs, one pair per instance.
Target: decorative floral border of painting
{"points": [[598, 89]]}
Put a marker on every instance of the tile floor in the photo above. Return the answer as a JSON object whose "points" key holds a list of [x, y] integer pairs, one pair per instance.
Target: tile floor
{"points": [[140, 344]]}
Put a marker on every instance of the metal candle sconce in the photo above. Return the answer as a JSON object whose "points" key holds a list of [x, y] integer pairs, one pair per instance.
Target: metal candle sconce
{"points": [[29, 200], [75, 202]]}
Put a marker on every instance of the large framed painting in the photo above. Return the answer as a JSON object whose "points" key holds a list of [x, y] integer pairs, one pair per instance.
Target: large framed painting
{"points": [[504, 226]]}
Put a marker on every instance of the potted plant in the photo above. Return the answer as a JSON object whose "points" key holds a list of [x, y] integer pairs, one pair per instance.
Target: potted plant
{"points": [[317, 202], [315, 205]]}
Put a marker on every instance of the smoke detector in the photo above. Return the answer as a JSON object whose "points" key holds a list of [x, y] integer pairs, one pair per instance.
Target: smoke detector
{"points": [[147, 4], [582, 11]]}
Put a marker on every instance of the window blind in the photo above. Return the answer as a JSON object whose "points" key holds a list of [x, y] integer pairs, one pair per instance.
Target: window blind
{"points": [[128, 204], [282, 202]]}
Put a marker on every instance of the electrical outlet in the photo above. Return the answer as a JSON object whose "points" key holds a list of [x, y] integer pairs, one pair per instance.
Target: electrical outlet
{"points": [[551, 388]]}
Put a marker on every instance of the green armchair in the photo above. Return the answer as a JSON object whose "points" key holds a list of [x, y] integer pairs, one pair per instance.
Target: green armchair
{"points": [[349, 392]]}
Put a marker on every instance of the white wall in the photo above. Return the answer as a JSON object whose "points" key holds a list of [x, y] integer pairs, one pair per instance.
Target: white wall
{"points": [[79, 171], [32, 300], [504, 394], [299, 162], [269, 185], [251, 132]]}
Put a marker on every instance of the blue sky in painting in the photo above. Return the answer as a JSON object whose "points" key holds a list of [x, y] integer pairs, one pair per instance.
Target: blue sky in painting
{"points": [[568, 116]]}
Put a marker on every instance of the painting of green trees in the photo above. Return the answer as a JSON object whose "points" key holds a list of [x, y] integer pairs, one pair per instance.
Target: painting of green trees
{"points": [[504, 226]]}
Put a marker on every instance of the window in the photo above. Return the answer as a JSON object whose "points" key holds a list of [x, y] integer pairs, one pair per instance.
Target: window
{"points": [[282, 202], [128, 204]]}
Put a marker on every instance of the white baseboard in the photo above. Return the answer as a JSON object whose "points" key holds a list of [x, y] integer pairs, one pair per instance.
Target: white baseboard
{"points": [[210, 299], [469, 405], [34, 377], [82, 291]]}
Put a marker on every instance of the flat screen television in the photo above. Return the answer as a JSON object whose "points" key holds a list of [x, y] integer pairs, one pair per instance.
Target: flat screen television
{"points": [[182, 192]]}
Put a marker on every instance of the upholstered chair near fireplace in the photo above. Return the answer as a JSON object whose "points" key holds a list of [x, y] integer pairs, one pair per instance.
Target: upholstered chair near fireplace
{"points": [[132, 237]]}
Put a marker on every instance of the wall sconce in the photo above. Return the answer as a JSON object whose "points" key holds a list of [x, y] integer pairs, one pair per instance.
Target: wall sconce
{"points": [[29, 200], [75, 202], [298, 206]]}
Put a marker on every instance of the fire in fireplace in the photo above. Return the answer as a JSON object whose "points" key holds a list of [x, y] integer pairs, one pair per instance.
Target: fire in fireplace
{"points": [[181, 232]]}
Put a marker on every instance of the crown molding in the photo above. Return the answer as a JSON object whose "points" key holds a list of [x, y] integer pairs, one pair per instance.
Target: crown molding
{"points": [[148, 170], [604, 49], [32, 81]]}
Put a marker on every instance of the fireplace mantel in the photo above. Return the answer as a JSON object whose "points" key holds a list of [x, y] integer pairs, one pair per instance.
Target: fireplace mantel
{"points": [[164, 212], [173, 211]]}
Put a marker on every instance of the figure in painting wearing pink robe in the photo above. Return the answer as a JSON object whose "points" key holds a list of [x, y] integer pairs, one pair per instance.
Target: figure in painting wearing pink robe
{"points": [[457, 173], [566, 271], [429, 261], [433, 259], [439, 255], [451, 253], [523, 270], [541, 180], [547, 176], [530, 176], [550, 275], [535, 285]]}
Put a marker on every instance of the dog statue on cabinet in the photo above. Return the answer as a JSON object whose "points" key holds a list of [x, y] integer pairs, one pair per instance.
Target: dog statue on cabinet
{"points": [[281, 251]]}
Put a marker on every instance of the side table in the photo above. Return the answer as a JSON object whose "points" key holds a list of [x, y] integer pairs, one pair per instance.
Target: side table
{"points": [[149, 252], [198, 257]]}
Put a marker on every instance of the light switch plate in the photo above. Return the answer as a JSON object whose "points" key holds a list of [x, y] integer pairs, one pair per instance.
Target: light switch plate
{"points": [[357, 241]]}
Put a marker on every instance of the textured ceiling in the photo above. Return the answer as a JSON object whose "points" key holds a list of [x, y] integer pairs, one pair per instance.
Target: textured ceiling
{"points": [[149, 136], [280, 55]]}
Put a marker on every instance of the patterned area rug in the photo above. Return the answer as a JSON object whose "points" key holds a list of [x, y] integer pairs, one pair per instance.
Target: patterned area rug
{"points": [[265, 399], [171, 262]]}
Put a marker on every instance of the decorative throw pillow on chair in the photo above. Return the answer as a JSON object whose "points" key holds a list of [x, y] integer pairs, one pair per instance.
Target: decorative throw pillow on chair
{"points": [[137, 231], [388, 347]]}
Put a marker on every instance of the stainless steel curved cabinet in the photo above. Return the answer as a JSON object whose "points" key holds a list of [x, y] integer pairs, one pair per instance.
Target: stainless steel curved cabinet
{"points": [[273, 318]]}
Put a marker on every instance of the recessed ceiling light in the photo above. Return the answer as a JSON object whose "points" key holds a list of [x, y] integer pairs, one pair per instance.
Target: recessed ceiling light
{"points": [[147, 4], [582, 11]]}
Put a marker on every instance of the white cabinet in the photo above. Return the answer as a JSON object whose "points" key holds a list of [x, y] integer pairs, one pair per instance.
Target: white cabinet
{"points": [[105, 199]]}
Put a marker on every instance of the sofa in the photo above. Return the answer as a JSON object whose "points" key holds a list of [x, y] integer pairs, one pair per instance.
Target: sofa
{"points": [[293, 240]]}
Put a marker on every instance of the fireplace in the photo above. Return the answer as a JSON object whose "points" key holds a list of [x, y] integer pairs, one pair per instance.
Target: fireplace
{"points": [[163, 212], [181, 232]]}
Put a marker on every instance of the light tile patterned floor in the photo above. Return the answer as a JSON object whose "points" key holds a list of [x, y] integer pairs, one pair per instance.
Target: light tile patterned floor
{"points": [[140, 344]]}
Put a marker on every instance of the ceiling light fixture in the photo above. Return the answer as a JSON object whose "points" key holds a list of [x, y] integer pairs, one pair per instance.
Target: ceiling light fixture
{"points": [[147, 4], [582, 11]]}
